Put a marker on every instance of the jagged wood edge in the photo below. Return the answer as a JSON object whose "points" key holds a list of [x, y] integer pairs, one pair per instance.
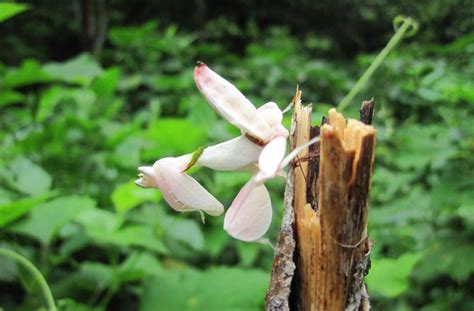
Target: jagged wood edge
{"points": [[358, 298], [283, 269]]}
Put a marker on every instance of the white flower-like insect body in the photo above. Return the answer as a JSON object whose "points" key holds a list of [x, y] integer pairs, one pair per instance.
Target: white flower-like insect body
{"points": [[260, 149]]}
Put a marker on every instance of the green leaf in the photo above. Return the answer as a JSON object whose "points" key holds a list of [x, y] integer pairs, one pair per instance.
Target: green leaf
{"points": [[99, 275], [11, 97], [127, 153], [129, 83], [198, 111], [137, 235], [80, 70], [8, 10], [216, 240], [466, 212], [132, 36], [179, 82], [95, 275], [225, 181], [30, 178], [48, 101], [128, 195], [98, 223], [185, 231], [30, 72], [83, 98], [248, 253], [390, 277], [73, 241], [401, 211], [104, 228], [172, 136], [218, 288], [106, 84], [47, 219], [10, 212], [68, 304], [420, 146], [387, 183], [8, 270], [451, 257], [138, 265]]}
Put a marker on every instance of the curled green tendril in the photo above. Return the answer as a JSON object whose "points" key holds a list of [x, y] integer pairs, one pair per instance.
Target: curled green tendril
{"points": [[405, 27], [410, 32]]}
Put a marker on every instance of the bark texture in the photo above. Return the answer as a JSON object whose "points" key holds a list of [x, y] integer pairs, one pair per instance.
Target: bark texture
{"points": [[323, 250]]}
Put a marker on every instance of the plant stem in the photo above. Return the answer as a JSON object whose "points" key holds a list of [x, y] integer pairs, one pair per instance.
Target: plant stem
{"points": [[397, 37], [46, 292]]}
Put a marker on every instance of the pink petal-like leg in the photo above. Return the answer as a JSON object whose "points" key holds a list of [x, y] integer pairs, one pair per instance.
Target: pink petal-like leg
{"points": [[231, 104], [270, 158], [250, 215], [182, 192], [231, 155]]}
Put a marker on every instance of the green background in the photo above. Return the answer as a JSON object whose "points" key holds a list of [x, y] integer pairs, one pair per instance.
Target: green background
{"points": [[90, 90]]}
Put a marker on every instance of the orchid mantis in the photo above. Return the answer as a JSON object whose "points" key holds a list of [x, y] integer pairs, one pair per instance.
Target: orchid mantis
{"points": [[260, 149]]}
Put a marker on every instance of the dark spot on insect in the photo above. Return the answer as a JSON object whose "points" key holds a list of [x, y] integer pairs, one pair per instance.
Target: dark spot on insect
{"points": [[255, 140]]}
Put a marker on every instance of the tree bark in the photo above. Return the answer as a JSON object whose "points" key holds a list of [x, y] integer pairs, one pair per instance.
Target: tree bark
{"points": [[323, 250], [93, 24]]}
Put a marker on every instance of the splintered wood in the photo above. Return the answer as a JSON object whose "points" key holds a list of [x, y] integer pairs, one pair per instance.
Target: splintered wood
{"points": [[330, 223]]}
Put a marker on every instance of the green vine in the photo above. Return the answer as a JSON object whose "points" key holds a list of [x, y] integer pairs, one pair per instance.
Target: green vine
{"points": [[45, 291], [404, 27]]}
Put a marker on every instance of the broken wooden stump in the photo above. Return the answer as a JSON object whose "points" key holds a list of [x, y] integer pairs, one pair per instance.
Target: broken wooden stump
{"points": [[323, 250]]}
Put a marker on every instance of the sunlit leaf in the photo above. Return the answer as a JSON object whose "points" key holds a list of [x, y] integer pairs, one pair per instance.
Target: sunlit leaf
{"points": [[8, 10]]}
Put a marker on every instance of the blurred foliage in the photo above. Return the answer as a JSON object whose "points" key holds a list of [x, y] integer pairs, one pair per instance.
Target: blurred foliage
{"points": [[8, 10], [73, 132]]}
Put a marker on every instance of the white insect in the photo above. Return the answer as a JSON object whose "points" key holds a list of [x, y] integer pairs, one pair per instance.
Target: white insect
{"points": [[260, 149]]}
